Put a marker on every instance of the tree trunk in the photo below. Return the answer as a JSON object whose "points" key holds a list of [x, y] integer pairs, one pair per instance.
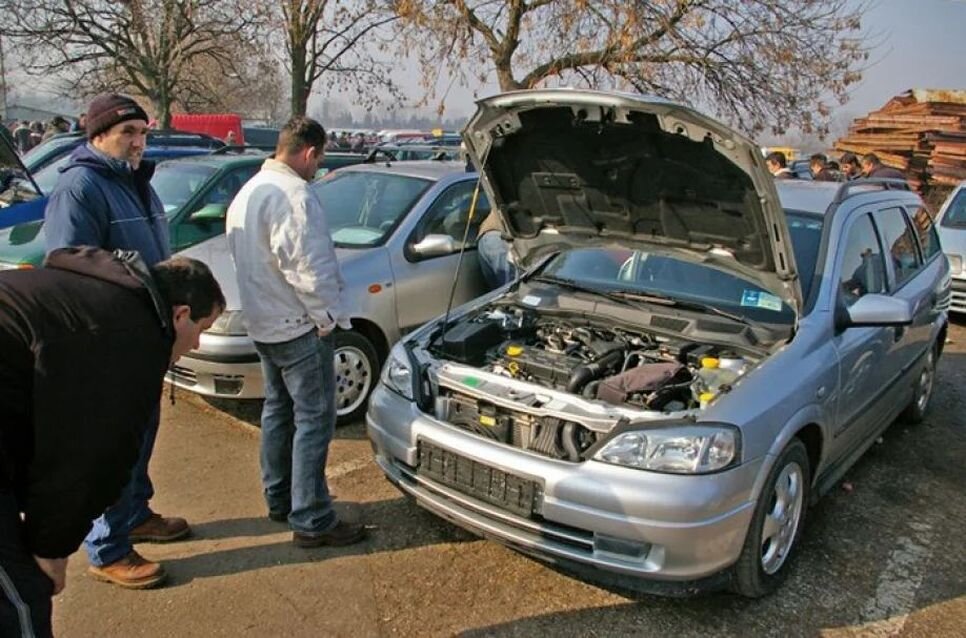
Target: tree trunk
{"points": [[504, 73], [300, 92]]}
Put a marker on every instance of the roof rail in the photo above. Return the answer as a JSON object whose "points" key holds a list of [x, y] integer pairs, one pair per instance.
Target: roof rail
{"points": [[241, 149], [884, 183]]}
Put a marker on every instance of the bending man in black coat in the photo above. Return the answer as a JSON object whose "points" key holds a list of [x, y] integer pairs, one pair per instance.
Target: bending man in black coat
{"points": [[84, 346]]}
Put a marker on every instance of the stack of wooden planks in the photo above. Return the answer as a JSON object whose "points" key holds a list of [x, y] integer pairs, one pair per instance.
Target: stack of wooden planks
{"points": [[921, 132]]}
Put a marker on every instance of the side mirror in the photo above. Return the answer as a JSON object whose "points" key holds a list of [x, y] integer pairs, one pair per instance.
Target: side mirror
{"points": [[435, 246], [877, 310], [209, 213]]}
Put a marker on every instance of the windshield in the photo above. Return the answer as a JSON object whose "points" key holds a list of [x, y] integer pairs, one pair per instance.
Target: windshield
{"points": [[363, 207], [639, 271], [175, 183], [955, 214], [47, 177], [33, 158]]}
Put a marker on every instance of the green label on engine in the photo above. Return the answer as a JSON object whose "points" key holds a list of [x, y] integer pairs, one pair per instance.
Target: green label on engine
{"points": [[471, 381]]}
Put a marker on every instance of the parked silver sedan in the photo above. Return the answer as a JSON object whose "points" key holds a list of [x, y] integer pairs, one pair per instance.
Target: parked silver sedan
{"points": [[952, 233], [690, 359], [398, 228]]}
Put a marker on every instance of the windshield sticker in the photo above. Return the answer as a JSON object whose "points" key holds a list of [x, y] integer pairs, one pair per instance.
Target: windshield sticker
{"points": [[531, 300], [761, 299]]}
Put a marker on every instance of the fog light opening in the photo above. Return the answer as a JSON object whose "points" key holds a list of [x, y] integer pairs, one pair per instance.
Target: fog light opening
{"points": [[621, 547]]}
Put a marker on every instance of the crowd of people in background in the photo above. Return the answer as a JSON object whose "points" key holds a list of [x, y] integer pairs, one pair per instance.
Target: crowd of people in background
{"points": [[849, 167], [26, 134]]}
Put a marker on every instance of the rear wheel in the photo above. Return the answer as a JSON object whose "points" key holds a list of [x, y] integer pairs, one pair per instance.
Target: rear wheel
{"points": [[356, 367], [916, 411], [776, 525]]}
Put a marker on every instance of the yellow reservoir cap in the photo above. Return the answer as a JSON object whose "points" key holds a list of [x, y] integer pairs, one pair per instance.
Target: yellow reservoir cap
{"points": [[709, 362], [706, 397], [514, 351]]}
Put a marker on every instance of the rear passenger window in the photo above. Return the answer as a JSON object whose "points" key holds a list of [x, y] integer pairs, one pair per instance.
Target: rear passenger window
{"points": [[899, 243], [863, 270], [926, 232]]}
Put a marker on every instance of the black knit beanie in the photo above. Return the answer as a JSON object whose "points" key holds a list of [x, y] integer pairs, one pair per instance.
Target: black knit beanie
{"points": [[108, 109]]}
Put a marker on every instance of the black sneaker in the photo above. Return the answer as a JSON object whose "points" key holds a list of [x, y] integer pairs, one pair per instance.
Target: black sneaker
{"points": [[342, 534], [278, 517]]}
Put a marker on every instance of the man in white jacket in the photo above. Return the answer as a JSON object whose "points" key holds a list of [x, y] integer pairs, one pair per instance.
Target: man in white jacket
{"points": [[290, 286]]}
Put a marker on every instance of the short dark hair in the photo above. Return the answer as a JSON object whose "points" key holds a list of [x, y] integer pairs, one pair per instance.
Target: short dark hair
{"points": [[871, 158], [818, 158], [188, 282], [777, 158], [849, 158], [298, 133]]}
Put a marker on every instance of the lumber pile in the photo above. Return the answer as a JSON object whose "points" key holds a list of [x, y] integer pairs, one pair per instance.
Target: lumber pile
{"points": [[921, 132]]}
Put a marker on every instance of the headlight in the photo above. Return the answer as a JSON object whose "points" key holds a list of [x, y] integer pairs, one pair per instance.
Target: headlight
{"points": [[685, 449], [397, 375], [230, 322], [955, 263]]}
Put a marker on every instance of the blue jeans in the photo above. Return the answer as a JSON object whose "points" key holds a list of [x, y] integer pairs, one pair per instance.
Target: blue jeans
{"points": [[108, 540], [494, 262], [298, 420]]}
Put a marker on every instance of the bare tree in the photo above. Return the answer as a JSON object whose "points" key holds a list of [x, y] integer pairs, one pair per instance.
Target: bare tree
{"points": [[337, 41], [145, 47], [758, 63]]}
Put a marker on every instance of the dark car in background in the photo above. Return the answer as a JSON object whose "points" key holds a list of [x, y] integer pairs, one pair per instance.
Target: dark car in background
{"points": [[26, 182], [195, 193]]}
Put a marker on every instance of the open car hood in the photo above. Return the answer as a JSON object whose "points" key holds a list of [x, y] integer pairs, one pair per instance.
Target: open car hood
{"points": [[573, 168], [11, 164]]}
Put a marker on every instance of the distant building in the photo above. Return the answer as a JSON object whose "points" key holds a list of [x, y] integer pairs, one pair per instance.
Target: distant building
{"points": [[29, 113]]}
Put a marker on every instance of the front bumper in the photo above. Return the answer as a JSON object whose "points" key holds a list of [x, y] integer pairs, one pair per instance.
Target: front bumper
{"points": [[958, 301], [613, 521], [225, 366]]}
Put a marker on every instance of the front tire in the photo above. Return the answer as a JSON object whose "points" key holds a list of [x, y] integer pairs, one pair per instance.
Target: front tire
{"points": [[776, 524], [356, 369]]}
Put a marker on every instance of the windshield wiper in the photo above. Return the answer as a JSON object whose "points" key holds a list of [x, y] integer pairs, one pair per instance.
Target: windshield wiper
{"points": [[667, 300], [629, 297], [574, 285]]}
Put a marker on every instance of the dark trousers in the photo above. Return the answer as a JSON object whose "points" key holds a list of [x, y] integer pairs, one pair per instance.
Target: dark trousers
{"points": [[25, 590]]}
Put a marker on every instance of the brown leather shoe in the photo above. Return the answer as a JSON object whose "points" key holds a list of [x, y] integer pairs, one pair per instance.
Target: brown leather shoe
{"points": [[157, 529], [342, 534], [133, 572]]}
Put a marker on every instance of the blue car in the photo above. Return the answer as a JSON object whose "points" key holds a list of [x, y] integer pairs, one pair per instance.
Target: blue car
{"points": [[24, 191]]}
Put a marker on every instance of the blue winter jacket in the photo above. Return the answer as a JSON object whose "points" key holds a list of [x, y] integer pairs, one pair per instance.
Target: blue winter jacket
{"points": [[101, 202]]}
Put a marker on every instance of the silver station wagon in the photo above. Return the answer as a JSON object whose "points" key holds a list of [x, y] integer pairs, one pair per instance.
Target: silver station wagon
{"points": [[689, 359]]}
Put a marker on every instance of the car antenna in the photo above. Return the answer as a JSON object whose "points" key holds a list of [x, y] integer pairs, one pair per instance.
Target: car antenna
{"points": [[466, 233]]}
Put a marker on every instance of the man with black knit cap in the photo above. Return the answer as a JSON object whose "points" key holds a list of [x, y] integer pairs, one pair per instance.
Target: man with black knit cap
{"points": [[104, 199]]}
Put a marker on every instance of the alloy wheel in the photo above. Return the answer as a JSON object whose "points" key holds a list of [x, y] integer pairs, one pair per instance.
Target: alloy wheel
{"points": [[353, 378], [781, 521], [927, 378]]}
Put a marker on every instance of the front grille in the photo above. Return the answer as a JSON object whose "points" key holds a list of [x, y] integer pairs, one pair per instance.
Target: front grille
{"points": [[546, 435], [490, 485], [188, 377]]}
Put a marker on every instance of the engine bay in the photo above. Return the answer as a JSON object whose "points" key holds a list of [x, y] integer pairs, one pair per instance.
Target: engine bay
{"points": [[583, 364]]}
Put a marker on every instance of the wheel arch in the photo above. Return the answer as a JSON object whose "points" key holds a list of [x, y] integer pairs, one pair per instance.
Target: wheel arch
{"points": [[371, 331]]}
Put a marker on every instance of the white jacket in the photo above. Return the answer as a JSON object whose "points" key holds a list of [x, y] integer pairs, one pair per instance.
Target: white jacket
{"points": [[288, 276]]}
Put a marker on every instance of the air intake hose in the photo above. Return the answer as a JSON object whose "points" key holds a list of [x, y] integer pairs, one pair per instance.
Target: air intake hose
{"points": [[583, 375]]}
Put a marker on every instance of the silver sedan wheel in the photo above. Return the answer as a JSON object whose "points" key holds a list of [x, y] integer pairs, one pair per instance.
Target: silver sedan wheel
{"points": [[353, 378], [781, 520], [926, 379]]}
